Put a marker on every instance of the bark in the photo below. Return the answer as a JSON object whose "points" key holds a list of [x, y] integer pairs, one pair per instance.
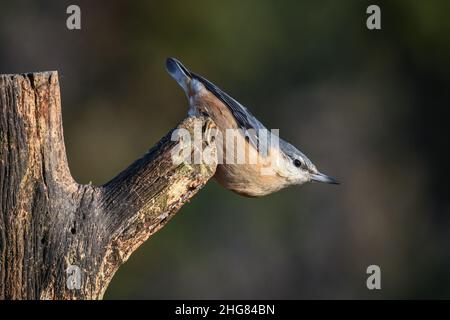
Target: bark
{"points": [[60, 239]]}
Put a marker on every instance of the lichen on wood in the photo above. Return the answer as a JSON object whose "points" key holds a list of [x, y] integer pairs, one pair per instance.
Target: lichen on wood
{"points": [[48, 222]]}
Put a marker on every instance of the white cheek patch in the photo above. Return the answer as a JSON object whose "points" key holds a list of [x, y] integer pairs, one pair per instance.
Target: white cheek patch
{"points": [[279, 164], [289, 171]]}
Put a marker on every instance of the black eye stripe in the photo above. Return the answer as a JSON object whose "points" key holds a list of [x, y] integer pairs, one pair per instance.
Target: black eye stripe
{"points": [[297, 163]]}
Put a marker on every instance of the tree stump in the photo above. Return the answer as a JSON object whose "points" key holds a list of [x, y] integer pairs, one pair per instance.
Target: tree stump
{"points": [[60, 239]]}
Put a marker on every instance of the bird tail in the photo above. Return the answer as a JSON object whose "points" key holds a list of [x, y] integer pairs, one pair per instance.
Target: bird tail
{"points": [[179, 72]]}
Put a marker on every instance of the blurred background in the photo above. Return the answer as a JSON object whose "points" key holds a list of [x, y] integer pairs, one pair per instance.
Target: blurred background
{"points": [[368, 107]]}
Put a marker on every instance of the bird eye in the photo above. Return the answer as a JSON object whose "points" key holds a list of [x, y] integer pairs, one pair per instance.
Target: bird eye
{"points": [[297, 163]]}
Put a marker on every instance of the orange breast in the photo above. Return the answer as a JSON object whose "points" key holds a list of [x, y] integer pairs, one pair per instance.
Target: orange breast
{"points": [[253, 177]]}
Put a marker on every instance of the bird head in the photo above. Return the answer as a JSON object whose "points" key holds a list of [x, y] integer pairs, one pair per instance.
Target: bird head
{"points": [[298, 169]]}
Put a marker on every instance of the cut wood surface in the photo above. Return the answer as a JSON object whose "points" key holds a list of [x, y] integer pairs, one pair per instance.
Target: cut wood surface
{"points": [[60, 239]]}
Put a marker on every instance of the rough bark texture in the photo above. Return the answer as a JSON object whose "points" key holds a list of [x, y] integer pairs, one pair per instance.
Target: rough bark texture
{"points": [[52, 227]]}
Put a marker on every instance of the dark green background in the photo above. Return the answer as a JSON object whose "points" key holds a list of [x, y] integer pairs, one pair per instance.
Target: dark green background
{"points": [[369, 107]]}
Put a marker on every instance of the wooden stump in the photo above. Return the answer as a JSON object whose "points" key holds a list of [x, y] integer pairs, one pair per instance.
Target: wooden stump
{"points": [[60, 239]]}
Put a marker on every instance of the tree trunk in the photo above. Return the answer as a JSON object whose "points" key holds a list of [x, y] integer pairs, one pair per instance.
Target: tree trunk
{"points": [[60, 239]]}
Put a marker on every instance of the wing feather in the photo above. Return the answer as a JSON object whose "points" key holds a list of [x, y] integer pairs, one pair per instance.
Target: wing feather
{"points": [[243, 117]]}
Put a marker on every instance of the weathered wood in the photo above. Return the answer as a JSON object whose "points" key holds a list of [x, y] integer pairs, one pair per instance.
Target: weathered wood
{"points": [[48, 222]]}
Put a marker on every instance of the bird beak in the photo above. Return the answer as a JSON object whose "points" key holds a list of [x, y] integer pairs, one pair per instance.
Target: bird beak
{"points": [[320, 177]]}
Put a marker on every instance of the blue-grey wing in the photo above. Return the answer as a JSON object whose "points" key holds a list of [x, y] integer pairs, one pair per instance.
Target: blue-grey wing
{"points": [[243, 117]]}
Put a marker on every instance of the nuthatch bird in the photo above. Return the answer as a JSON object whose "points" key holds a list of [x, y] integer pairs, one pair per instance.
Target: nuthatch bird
{"points": [[284, 165]]}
